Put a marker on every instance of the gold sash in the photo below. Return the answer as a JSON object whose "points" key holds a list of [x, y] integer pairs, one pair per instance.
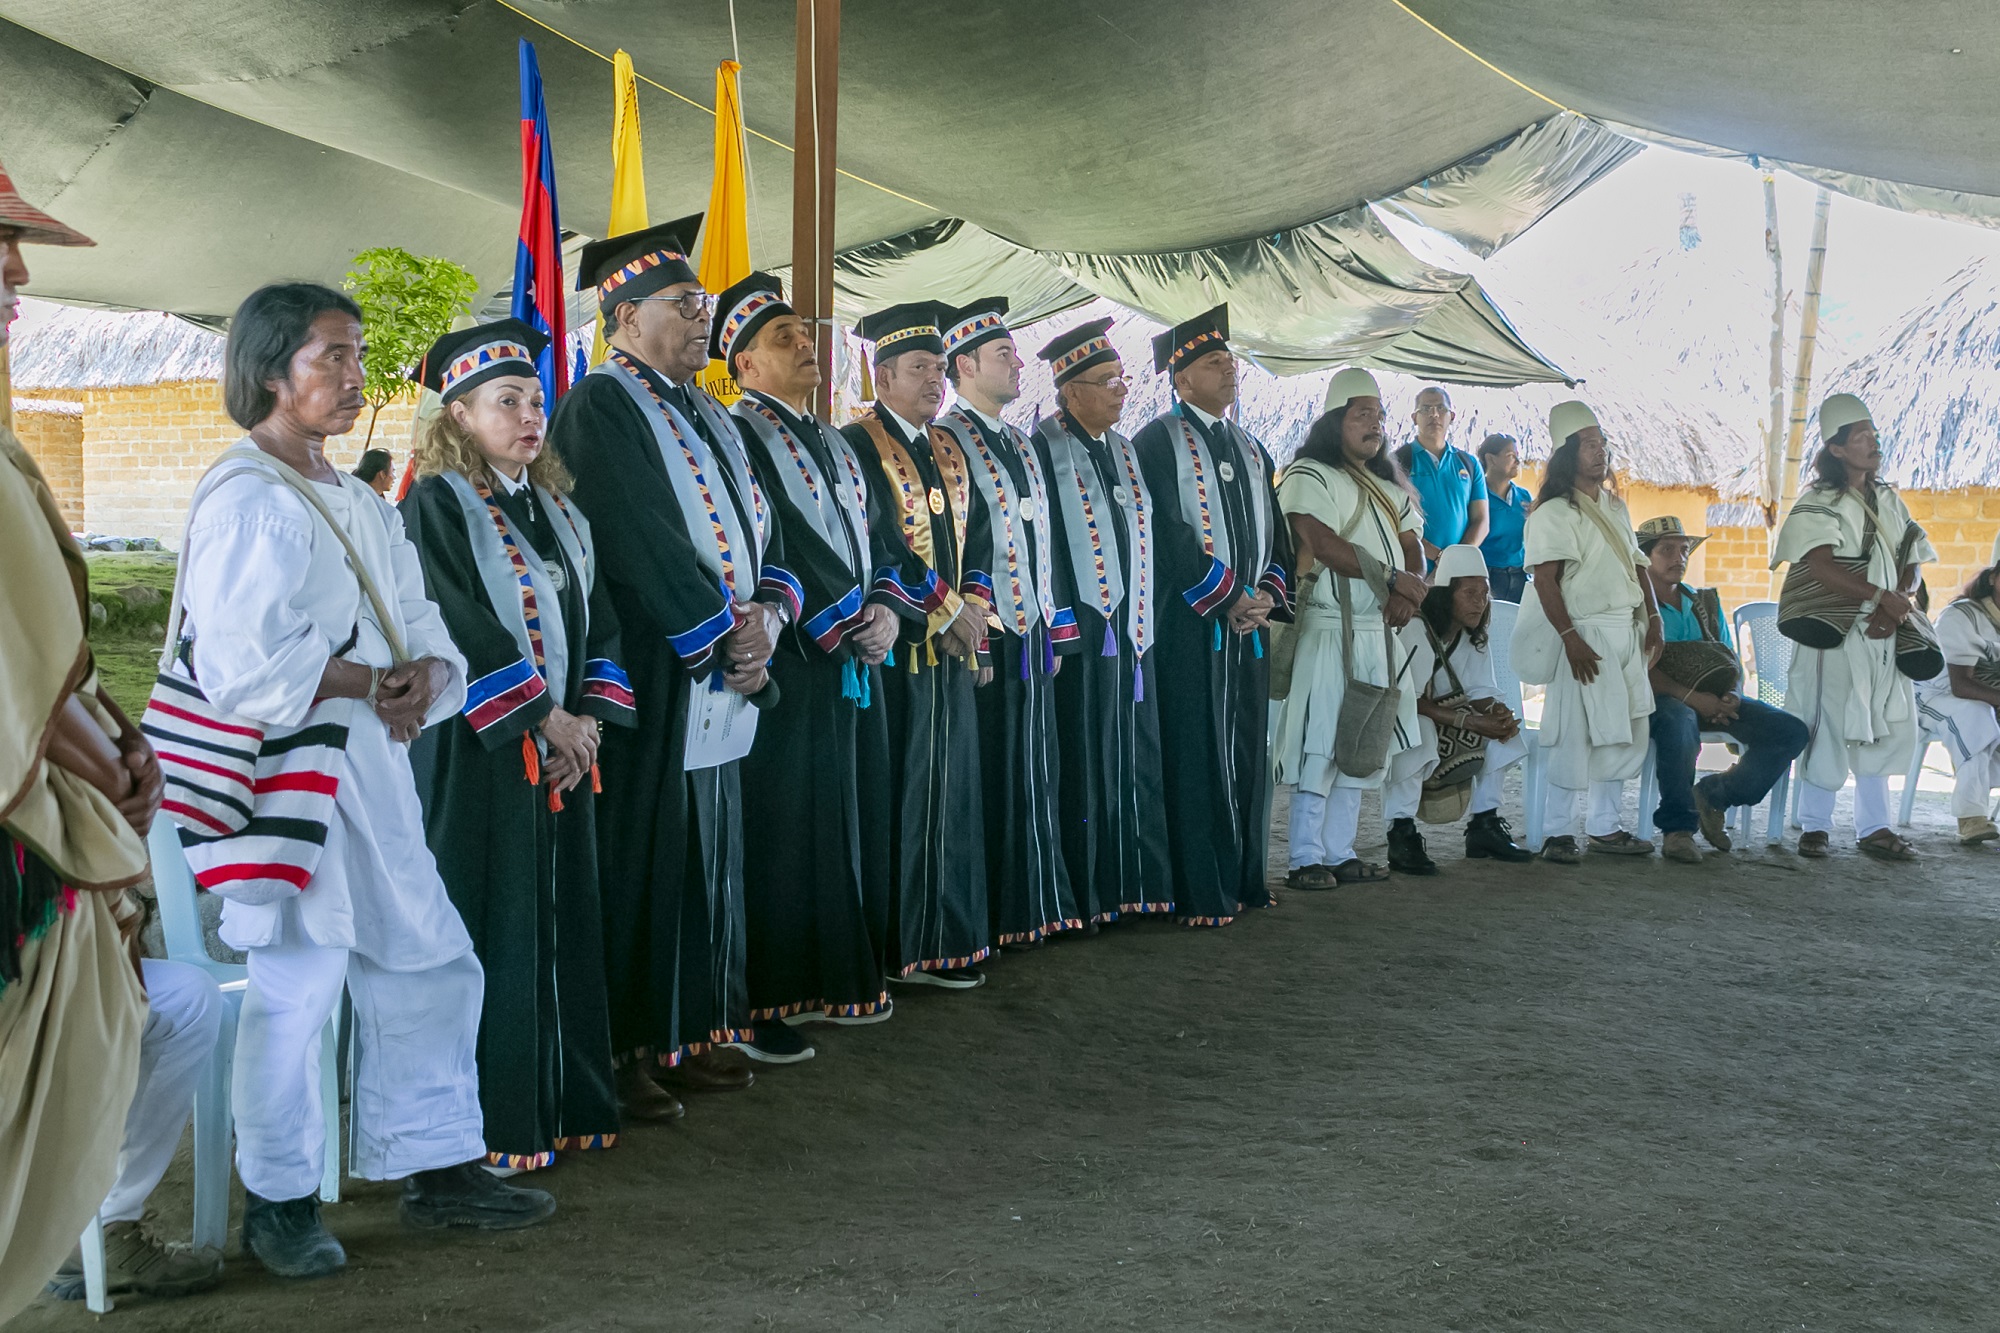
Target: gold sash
{"points": [[913, 500]]}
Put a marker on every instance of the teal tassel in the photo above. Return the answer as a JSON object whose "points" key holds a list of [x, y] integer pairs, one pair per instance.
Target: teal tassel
{"points": [[890, 660], [1218, 638], [1257, 642]]}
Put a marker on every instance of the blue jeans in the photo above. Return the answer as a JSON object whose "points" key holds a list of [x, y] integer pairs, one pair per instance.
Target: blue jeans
{"points": [[1771, 738], [1508, 584]]}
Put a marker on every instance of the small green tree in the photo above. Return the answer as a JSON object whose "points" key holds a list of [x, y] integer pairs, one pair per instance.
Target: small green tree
{"points": [[407, 303]]}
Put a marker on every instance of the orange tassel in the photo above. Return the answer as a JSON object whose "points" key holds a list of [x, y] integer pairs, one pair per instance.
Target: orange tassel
{"points": [[555, 801], [596, 781], [530, 759]]}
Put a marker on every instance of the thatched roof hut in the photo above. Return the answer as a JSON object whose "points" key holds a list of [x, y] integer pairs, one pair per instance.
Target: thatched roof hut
{"points": [[76, 348], [1933, 383]]}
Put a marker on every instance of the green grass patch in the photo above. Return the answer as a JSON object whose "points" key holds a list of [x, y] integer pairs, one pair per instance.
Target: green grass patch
{"points": [[130, 592]]}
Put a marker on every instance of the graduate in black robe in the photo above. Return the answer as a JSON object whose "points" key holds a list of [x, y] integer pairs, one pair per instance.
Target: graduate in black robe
{"points": [[509, 810], [919, 490], [689, 552], [1114, 814], [814, 925], [1011, 577], [1224, 553]]}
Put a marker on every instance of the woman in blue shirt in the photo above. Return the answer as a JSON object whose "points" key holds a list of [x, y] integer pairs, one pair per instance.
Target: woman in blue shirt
{"points": [[1506, 517]]}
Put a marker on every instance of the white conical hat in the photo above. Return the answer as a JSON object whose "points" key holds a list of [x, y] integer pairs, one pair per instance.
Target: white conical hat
{"points": [[1458, 562], [1840, 409], [1566, 419], [1350, 384]]}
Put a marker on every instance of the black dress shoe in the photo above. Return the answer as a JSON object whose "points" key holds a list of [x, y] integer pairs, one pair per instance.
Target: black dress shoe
{"points": [[710, 1071], [1406, 849], [468, 1195], [639, 1098], [1489, 836], [288, 1238]]}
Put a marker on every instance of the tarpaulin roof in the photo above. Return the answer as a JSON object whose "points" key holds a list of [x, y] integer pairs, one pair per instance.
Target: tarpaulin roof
{"points": [[1162, 152]]}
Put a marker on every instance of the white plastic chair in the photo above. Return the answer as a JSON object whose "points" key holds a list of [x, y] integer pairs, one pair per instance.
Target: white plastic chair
{"points": [[180, 924], [1534, 782], [1755, 626], [1649, 793]]}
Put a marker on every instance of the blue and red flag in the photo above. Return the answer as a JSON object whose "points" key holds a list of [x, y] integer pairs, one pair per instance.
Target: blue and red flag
{"points": [[538, 273]]}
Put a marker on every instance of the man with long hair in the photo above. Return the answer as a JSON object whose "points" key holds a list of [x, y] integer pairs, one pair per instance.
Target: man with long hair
{"points": [[1852, 530], [1356, 523], [1590, 633], [1962, 707]]}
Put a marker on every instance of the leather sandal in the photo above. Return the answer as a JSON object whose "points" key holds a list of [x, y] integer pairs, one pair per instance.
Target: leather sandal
{"points": [[1812, 846], [1312, 878], [1354, 870], [1887, 845]]}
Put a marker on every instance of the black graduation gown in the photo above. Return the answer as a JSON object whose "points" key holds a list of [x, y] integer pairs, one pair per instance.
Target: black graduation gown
{"points": [[814, 928], [1214, 691], [1027, 884], [523, 876], [936, 833], [670, 842], [1114, 813]]}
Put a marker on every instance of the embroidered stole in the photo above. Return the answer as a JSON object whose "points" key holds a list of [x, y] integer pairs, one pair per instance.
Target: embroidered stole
{"points": [[1095, 563], [1197, 476], [913, 501], [1019, 527]]}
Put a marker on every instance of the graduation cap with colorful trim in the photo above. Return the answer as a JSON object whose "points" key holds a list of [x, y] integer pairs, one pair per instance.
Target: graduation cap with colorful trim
{"points": [[744, 308], [639, 263], [464, 359], [1072, 353], [913, 326], [969, 327], [1194, 338]]}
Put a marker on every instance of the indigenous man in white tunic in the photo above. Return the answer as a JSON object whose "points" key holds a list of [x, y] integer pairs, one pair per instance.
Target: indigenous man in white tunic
{"points": [[279, 624], [1854, 533], [1959, 707], [1470, 738], [1590, 633], [1359, 532]]}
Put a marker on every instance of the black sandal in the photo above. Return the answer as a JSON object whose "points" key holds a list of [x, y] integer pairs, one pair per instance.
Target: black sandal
{"points": [[1354, 870]]}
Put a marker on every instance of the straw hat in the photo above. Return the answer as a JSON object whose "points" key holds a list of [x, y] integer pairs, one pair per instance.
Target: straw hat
{"points": [[1665, 526], [36, 227]]}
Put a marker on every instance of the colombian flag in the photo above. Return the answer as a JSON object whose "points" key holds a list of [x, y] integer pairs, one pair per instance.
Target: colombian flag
{"points": [[538, 273]]}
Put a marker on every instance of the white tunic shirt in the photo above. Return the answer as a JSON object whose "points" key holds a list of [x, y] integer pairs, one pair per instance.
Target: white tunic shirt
{"points": [[1860, 709], [269, 598]]}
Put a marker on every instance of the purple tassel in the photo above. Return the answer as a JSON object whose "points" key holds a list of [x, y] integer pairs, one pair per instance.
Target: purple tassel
{"points": [[1110, 640], [1048, 656], [1024, 659], [1138, 681]]}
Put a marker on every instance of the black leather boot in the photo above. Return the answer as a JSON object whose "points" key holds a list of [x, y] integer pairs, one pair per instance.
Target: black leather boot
{"points": [[1406, 850], [288, 1238], [1488, 835]]}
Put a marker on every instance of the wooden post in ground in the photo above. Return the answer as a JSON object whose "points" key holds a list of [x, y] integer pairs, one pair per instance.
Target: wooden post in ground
{"points": [[1802, 378], [815, 117], [1774, 429]]}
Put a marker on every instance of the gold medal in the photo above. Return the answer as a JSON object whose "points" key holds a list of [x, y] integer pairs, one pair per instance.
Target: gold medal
{"points": [[937, 500]]}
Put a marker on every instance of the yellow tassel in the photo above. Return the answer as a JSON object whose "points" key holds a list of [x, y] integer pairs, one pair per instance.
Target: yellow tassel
{"points": [[530, 760], [930, 652], [867, 385]]}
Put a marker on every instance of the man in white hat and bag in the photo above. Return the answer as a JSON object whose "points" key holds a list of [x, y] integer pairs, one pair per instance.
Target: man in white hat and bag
{"points": [[1357, 529], [1590, 633]]}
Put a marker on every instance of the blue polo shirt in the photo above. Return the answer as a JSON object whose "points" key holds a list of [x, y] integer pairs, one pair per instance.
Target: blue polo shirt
{"points": [[1505, 546], [1447, 487], [1678, 623]]}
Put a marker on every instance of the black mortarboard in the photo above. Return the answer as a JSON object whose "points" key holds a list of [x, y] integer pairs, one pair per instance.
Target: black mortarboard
{"points": [[639, 263], [467, 358], [1076, 351], [1196, 337], [739, 312], [910, 327], [965, 328]]}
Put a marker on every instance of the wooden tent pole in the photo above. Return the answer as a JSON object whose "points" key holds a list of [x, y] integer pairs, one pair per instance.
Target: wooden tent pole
{"points": [[1774, 430], [1802, 378], [815, 117]]}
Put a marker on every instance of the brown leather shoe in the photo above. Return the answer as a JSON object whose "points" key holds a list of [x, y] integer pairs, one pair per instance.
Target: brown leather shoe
{"points": [[641, 1099], [711, 1071]]}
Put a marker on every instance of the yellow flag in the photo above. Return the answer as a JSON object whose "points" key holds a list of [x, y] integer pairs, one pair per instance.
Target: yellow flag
{"points": [[628, 166], [725, 245]]}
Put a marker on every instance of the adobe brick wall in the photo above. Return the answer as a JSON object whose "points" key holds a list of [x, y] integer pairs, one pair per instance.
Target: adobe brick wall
{"points": [[145, 448], [51, 430]]}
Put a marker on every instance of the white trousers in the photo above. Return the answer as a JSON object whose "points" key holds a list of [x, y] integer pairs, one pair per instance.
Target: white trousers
{"points": [[1565, 814], [183, 1015], [1973, 781], [1402, 795], [416, 1087], [1323, 827], [1871, 806], [1971, 733]]}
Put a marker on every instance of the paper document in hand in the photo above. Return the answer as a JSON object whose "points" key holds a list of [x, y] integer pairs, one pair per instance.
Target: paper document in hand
{"points": [[721, 725]]}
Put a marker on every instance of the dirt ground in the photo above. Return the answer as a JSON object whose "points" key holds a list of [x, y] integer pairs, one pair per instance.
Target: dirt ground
{"points": [[1758, 1094]]}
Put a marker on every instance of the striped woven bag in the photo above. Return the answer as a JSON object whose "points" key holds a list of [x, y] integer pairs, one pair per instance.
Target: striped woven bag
{"points": [[252, 803]]}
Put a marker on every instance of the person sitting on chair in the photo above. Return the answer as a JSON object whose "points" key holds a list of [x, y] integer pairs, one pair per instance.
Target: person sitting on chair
{"points": [[1698, 689], [1470, 738], [1959, 707]]}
